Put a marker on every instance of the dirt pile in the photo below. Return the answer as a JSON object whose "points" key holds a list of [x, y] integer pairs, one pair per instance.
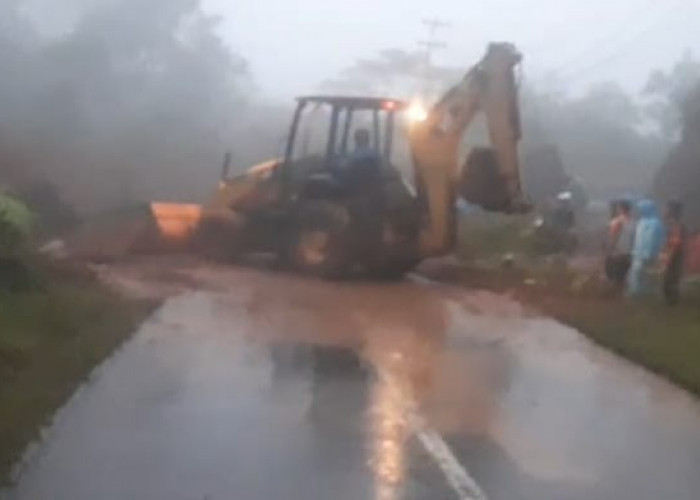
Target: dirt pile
{"points": [[114, 235]]}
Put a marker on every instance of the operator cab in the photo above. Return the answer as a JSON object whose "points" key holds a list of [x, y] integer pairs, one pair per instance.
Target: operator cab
{"points": [[342, 144]]}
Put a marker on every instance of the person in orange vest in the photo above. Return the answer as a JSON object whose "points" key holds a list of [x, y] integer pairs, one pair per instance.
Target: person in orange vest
{"points": [[619, 244], [673, 257]]}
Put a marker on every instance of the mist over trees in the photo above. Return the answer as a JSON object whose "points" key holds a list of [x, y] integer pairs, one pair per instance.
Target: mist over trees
{"points": [[394, 72], [679, 177], [668, 94], [131, 102], [599, 134]]}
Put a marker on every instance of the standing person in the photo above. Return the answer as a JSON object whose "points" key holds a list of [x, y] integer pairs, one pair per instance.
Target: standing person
{"points": [[620, 244], [648, 242], [611, 231], [674, 252]]}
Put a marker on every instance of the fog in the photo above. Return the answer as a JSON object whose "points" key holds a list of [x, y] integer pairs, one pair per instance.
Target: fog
{"points": [[121, 101], [584, 42]]}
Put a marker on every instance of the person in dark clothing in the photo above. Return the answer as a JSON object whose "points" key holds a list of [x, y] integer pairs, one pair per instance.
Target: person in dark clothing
{"points": [[363, 149], [674, 252]]}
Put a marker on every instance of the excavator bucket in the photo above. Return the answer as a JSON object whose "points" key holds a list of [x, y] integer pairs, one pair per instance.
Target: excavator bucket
{"points": [[481, 183], [151, 228]]}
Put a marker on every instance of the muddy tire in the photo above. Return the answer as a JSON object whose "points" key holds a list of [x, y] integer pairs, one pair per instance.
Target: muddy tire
{"points": [[318, 244]]}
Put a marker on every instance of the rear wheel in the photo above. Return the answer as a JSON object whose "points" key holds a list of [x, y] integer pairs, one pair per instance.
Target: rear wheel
{"points": [[319, 244]]}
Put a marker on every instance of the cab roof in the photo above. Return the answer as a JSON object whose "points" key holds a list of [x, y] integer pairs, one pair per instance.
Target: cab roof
{"points": [[356, 102]]}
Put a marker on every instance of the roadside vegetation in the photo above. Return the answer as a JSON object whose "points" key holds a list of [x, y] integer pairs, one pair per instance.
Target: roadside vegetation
{"points": [[664, 339], [496, 254], [55, 327]]}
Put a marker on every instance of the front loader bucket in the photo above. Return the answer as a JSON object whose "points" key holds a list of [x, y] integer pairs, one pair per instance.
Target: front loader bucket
{"points": [[176, 222], [151, 228]]}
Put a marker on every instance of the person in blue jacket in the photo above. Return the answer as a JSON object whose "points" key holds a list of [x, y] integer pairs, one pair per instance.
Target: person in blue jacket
{"points": [[648, 242]]}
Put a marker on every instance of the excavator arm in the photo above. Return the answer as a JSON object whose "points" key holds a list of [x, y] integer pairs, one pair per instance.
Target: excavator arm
{"points": [[490, 88]]}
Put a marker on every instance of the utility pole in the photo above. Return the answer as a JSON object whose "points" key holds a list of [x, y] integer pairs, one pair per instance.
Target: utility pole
{"points": [[431, 43]]}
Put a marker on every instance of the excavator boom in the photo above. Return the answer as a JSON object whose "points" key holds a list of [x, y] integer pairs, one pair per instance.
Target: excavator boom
{"points": [[490, 88]]}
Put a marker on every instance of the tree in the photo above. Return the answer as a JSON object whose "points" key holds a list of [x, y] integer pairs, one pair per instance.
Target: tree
{"points": [[668, 92], [598, 134], [128, 105], [679, 177]]}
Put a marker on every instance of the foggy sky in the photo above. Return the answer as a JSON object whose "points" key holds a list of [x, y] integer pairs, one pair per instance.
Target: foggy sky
{"points": [[294, 45]]}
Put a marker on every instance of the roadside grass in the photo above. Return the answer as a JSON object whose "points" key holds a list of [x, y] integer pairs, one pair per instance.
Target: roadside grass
{"points": [[485, 235], [664, 339], [51, 337]]}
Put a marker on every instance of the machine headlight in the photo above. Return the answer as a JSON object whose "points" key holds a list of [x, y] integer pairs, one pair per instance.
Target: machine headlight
{"points": [[417, 112]]}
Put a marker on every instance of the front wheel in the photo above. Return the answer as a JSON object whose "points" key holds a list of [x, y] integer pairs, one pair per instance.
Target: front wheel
{"points": [[319, 241]]}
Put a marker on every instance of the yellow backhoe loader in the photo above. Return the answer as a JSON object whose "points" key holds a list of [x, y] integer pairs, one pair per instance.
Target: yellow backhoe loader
{"points": [[366, 184]]}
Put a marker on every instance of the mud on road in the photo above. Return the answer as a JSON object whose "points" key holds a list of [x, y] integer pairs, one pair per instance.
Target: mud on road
{"points": [[253, 385]]}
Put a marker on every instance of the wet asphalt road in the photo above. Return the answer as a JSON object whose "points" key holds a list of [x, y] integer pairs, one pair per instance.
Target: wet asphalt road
{"points": [[249, 385]]}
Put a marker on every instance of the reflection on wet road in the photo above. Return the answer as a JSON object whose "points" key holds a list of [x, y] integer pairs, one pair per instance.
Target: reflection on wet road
{"points": [[249, 385]]}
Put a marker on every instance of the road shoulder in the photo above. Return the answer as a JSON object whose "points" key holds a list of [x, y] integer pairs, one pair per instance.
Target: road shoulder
{"points": [[51, 338]]}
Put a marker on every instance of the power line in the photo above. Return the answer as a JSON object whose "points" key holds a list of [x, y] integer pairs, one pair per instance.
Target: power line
{"points": [[432, 44], [610, 37], [620, 50], [571, 70]]}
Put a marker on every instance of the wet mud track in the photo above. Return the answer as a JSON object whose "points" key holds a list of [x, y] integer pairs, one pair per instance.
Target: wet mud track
{"points": [[252, 385]]}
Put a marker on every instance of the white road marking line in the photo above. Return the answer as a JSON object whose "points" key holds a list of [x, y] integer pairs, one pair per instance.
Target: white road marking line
{"points": [[457, 476]]}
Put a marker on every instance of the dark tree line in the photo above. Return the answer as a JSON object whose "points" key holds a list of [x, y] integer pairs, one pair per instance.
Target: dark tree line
{"points": [[136, 100], [679, 177]]}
